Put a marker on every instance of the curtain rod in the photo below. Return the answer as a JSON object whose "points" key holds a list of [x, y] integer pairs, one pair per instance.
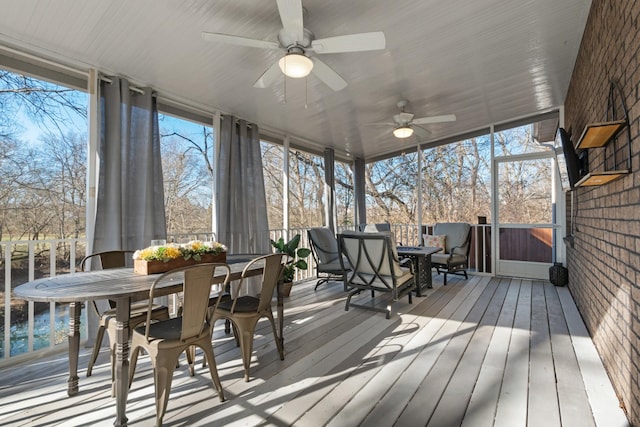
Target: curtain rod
{"points": [[131, 88], [42, 60]]}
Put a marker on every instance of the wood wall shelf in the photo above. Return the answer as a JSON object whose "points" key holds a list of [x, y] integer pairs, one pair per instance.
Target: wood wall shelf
{"points": [[599, 135], [601, 178], [596, 135]]}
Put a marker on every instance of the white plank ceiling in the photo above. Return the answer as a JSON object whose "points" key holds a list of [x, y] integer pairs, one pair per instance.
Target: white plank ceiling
{"points": [[486, 61]]}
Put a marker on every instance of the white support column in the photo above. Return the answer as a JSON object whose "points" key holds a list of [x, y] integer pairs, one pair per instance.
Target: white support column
{"points": [[494, 204], [285, 187], [419, 194], [560, 201], [93, 84], [217, 118], [93, 162]]}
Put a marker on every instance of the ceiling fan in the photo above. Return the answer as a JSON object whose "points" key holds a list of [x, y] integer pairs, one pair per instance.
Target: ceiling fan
{"points": [[298, 42], [404, 125]]}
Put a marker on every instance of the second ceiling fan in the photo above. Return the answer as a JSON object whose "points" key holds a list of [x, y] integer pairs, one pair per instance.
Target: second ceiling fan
{"points": [[404, 125], [298, 42]]}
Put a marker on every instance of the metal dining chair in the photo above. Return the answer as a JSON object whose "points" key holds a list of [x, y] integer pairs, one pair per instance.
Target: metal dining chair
{"points": [[106, 312], [244, 311], [165, 340]]}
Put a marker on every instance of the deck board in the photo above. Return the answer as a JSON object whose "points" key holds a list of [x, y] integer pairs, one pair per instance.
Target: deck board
{"points": [[543, 401], [484, 398], [478, 352]]}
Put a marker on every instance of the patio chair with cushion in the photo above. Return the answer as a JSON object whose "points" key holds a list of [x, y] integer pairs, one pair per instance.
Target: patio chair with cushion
{"points": [[106, 312], [165, 340], [329, 265], [457, 242], [375, 267], [244, 311]]}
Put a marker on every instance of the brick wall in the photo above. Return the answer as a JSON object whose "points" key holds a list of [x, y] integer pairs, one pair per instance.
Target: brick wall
{"points": [[604, 263]]}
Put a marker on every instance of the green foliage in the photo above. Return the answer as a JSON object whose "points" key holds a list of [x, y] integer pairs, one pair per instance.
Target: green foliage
{"points": [[295, 254]]}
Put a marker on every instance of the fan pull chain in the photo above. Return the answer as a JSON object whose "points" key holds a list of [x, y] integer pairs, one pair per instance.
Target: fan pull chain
{"points": [[306, 92], [285, 87]]}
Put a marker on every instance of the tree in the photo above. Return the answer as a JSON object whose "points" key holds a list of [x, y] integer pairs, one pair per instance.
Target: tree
{"points": [[306, 190], [272, 163], [188, 180], [391, 188], [42, 191]]}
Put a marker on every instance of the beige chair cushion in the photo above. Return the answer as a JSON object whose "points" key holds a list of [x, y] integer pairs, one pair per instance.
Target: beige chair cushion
{"points": [[325, 244], [456, 233], [441, 258]]}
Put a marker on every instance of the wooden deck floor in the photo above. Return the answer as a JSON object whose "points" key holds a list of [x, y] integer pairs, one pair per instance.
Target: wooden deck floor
{"points": [[478, 352]]}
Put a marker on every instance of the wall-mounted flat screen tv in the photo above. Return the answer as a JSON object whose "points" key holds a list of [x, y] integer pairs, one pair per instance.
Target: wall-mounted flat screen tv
{"points": [[567, 160]]}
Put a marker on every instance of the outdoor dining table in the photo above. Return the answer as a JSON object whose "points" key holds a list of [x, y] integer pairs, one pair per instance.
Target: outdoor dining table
{"points": [[123, 286], [421, 257]]}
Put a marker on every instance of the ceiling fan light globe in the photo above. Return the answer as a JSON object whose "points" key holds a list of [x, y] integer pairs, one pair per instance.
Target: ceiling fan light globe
{"points": [[295, 65], [403, 132]]}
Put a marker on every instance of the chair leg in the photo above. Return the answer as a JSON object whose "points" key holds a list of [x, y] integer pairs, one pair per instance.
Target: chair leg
{"points": [[132, 363], [320, 282], [445, 278], [213, 369], [275, 336], [351, 294], [96, 349], [235, 337], [246, 329], [163, 377], [191, 357]]}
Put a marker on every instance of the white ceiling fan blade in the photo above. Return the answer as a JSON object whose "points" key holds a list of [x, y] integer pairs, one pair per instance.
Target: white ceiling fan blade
{"points": [[268, 77], [291, 17], [381, 124], [420, 132], [350, 43], [239, 41], [435, 119], [327, 75], [402, 118]]}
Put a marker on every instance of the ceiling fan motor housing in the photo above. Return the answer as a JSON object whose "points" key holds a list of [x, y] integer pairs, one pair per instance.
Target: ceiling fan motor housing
{"points": [[288, 40]]}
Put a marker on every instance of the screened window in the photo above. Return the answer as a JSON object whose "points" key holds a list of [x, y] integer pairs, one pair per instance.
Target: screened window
{"points": [[272, 161], [188, 167], [306, 189], [457, 181]]}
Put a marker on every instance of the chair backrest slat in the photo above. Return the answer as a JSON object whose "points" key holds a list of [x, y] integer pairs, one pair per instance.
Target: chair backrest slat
{"points": [[273, 265], [197, 280], [108, 259], [197, 287]]}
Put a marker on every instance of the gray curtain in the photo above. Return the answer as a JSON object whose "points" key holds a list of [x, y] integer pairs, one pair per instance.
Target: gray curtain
{"points": [[359, 187], [130, 195], [241, 210], [330, 189]]}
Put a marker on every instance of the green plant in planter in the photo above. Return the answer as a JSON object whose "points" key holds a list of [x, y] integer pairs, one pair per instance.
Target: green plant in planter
{"points": [[296, 256]]}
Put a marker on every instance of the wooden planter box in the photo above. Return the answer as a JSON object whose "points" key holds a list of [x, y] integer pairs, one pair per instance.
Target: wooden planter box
{"points": [[141, 266]]}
